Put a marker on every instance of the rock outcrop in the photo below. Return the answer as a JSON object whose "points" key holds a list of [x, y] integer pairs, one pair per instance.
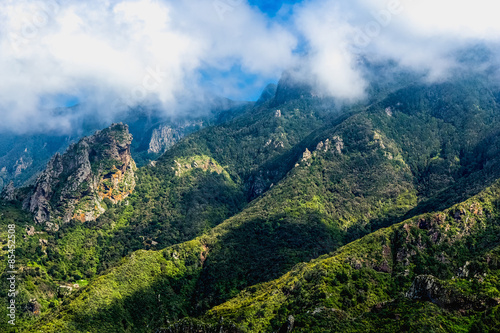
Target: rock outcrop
{"points": [[165, 136], [205, 163], [20, 166], [428, 288], [75, 185], [9, 193]]}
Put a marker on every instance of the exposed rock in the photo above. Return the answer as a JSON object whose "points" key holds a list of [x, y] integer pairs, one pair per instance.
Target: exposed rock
{"points": [[258, 185], [306, 155], [327, 145], [288, 326], [205, 163], [384, 267], [163, 138], [33, 307], [20, 166], [64, 290], [463, 272], [49, 226], [428, 288], [9, 192], [74, 185], [30, 230], [339, 144]]}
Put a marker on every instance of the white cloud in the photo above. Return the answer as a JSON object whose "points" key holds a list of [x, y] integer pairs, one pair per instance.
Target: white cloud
{"points": [[155, 50], [422, 35], [329, 62], [128, 51]]}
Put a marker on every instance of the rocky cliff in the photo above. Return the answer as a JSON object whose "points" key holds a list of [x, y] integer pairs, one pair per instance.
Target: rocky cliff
{"points": [[79, 184]]}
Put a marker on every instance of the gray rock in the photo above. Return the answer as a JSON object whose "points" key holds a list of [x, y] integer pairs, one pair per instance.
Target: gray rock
{"points": [[428, 288], [9, 193], [74, 185]]}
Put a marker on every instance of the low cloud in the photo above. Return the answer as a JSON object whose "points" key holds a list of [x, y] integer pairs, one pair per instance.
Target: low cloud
{"points": [[115, 54], [424, 36]]}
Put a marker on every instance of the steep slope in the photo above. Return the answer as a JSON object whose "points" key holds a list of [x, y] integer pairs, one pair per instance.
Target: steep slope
{"points": [[75, 185], [437, 272], [22, 157], [203, 180], [176, 199]]}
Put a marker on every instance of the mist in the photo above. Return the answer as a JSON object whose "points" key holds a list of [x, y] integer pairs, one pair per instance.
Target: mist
{"points": [[113, 55]]}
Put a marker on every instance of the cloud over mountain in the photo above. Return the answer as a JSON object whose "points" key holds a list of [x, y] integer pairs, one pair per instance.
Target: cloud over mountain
{"points": [[113, 54]]}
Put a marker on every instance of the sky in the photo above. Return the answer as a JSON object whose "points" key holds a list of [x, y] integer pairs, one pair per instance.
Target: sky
{"points": [[110, 55]]}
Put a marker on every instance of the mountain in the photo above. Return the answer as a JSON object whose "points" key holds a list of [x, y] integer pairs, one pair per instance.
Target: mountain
{"points": [[434, 272], [295, 214], [78, 184], [24, 156]]}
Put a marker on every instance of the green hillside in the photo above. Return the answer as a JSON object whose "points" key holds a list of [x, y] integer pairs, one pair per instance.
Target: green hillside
{"points": [[225, 223]]}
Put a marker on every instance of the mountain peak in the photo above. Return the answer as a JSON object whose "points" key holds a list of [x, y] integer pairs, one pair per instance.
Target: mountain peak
{"points": [[91, 174], [267, 94], [290, 87]]}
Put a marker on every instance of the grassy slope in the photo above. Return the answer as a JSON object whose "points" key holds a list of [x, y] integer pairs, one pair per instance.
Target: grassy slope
{"points": [[361, 287]]}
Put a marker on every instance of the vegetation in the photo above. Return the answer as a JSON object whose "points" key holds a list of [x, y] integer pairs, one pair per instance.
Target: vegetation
{"points": [[297, 207]]}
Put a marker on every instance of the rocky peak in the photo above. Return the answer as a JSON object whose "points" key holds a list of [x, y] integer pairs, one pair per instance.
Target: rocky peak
{"points": [[268, 94], [9, 193], [163, 138], [291, 87], [75, 185]]}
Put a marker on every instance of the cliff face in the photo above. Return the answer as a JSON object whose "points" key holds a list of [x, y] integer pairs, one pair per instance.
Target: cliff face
{"points": [[165, 136], [75, 185]]}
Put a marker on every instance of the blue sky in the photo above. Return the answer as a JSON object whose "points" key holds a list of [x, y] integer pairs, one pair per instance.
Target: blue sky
{"points": [[245, 85], [250, 86], [271, 7]]}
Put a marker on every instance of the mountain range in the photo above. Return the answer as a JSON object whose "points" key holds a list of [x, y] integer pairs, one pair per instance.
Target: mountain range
{"points": [[297, 213]]}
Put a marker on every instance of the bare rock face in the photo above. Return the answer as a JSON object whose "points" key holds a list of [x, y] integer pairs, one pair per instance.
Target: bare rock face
{"points": [[75, 185], [428, 288], [9, 193], [288, 326], [163, 138], [20, 166], [166, 136]]}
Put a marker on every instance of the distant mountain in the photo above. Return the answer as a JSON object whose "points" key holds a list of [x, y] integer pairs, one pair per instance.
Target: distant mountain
{"points": [[23, 157]]}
